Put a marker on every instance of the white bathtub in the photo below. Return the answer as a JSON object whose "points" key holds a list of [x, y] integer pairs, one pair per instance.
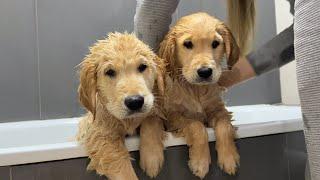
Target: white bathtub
{"points": [[46, 140]]}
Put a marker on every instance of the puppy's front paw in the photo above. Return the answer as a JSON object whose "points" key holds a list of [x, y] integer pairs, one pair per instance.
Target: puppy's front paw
{"points": [[199, 161], [151, 161], [229, 161]]}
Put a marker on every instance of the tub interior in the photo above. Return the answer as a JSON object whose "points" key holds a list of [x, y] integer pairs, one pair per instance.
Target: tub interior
{"points": [[32, 133], [252, 114]]}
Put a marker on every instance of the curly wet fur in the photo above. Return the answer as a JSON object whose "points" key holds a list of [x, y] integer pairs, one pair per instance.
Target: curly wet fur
{"points": [[190, 105], [103, 133]]}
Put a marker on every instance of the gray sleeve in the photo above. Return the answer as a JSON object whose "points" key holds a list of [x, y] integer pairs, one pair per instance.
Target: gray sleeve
{"points": [[152, 20], [274, 54], [307, 50]]}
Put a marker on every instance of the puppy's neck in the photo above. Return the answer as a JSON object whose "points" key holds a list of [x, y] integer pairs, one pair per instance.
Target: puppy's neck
{"points": [[178, 78], [181, 87], [104, 119], [123, 126]]}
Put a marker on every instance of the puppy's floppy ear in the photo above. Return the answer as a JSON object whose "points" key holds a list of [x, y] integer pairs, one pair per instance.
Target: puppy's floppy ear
{"points": [[88, 85], [161, 70], [167, 50], [231, 46]]}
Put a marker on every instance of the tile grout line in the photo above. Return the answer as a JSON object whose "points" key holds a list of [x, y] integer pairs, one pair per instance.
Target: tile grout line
{"points": [[288, 161], [38, 56], [10, 173]]}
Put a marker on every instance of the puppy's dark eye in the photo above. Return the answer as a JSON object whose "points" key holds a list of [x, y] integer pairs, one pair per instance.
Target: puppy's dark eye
{"points": [[142, 67], [188, 44], [215, 44], [110, 73]]}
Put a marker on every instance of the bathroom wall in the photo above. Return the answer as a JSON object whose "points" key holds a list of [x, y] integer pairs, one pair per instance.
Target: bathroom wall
{"points": [[42, 42], [288, 74]]}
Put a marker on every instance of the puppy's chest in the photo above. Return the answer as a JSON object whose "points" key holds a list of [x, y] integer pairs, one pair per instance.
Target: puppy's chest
{"points": [[130, 127], [193, 102]]}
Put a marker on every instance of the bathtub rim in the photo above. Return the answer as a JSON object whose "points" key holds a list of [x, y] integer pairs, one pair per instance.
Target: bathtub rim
{"points": [[68, 150]]}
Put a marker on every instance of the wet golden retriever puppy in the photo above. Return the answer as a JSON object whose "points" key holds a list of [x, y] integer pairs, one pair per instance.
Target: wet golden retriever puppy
{"points": [[121, 82], [194, 49]]}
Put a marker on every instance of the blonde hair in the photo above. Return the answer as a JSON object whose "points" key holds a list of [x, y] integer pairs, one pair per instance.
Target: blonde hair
{"points": [[241, 19]]}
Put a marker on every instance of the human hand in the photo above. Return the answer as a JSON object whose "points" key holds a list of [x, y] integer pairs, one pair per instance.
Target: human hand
{"points": [[240, 72]]}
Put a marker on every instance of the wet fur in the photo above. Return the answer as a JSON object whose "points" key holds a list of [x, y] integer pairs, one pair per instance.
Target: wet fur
{"points": [[189, 106], [102, 131]]}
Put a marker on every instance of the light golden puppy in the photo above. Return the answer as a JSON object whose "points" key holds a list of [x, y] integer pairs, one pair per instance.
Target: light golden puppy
{"points": [[121, 83], [194, 49]]}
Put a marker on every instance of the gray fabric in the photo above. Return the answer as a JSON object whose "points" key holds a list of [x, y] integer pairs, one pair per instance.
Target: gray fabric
{"points": [[274, 54], [307, 51], [291, 6], [277, 52], [152, 20]]}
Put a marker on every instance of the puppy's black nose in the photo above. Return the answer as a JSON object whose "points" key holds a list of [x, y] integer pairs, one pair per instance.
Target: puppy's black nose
{"points": [[204, 72], [134, 102]]}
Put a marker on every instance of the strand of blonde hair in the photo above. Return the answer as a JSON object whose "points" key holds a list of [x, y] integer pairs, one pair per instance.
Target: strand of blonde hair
{"points": [[241, 19]]}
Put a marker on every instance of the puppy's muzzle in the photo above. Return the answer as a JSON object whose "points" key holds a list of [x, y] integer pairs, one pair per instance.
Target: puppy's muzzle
{"points": [[134, 103], [204, 72]]}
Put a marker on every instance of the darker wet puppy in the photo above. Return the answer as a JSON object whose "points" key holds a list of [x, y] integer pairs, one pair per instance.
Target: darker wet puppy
{"points": [[194, 49]]}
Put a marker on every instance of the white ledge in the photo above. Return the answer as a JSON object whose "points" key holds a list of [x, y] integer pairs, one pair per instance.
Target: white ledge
{"points": [[47, 140]]}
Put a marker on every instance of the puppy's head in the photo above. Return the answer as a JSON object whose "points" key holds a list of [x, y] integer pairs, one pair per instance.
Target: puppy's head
{"points": [[120, 72], [195, 47]]}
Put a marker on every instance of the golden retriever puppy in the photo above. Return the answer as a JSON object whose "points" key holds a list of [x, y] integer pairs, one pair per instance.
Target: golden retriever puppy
{"points": [[194, 49], [121, 85]]}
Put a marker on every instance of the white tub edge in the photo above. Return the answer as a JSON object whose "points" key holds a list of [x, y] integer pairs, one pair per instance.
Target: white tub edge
{"points": [[68, 150]]}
